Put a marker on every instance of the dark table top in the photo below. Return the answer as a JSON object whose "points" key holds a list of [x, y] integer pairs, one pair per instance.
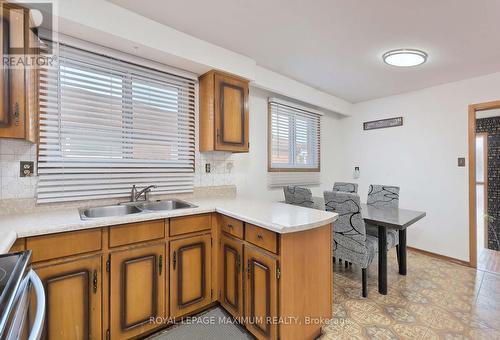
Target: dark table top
{"points": [[390, 217]]}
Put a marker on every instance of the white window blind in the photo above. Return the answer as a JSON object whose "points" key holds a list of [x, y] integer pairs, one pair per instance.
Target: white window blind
{"points": [[294, 137], [106, 124]]}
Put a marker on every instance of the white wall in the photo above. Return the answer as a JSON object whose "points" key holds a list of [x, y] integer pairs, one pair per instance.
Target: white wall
{"points": [[420, 157]]}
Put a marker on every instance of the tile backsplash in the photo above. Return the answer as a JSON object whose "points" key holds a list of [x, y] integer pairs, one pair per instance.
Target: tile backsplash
{"points": [[221, 169], [12, 186]]}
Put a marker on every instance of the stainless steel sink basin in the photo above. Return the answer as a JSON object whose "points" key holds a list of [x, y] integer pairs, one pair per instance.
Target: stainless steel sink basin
{"points": [[133, 208], [165, 205], [109, 211]]}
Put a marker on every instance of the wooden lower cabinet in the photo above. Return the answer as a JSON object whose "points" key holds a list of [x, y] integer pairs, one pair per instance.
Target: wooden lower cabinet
{"points": [[137, 290], [190, 274], [73, 297], [259, 280], [231, 282], [261, 294]]}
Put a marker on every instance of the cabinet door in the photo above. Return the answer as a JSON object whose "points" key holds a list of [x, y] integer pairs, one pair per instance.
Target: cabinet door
{"points": [[17, 18], [137, 290], [261, 294], [73, 297], [231, 114], [4, 71], [232, 278], [190, 274]]}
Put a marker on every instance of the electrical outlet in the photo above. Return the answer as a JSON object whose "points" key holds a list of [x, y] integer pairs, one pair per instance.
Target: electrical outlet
{"points": [[207, 167], [461, 161], [26, 168]]}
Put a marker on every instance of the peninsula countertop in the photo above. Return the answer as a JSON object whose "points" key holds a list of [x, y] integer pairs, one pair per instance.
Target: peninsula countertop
{"points": [[276, 216]]}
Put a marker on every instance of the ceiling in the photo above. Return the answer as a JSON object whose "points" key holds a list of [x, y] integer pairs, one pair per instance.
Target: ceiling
{"points": [[336, 45]]}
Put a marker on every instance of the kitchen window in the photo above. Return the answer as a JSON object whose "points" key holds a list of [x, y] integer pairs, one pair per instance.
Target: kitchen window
{"points": [[294, 138], [106, 124]]}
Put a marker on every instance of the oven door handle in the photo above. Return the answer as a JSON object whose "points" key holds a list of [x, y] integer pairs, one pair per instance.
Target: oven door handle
{"points": [[36, 330]]}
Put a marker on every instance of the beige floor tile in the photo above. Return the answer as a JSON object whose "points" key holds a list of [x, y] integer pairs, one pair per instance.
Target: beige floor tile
{"points": [[436, 300]]}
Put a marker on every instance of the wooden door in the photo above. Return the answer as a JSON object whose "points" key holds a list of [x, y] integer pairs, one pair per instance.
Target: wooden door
{"points": [[190, 274], [231, 113], [73, 297], [261, 294], [137, 290], [231, 258]]}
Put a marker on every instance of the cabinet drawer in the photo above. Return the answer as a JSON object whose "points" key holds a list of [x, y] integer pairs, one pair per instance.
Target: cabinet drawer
{"points": [[49, 247], [190, 224], [231, 226], [136, 232], [262, 237]]}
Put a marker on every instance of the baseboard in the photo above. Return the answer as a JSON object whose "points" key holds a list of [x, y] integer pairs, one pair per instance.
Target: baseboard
{"points": [[439, 256]]}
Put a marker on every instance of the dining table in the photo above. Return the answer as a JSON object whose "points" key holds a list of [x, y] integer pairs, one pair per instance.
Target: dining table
{"points": [[395, 218], [385, 218]]}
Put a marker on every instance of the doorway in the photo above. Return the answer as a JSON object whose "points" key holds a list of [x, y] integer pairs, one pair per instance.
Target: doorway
{"points": [[484, 186]]}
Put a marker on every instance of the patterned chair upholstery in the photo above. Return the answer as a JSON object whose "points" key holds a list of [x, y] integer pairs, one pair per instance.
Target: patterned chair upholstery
{"points": [[350, 241], [298, 196], [383, 196], [345, 187]]}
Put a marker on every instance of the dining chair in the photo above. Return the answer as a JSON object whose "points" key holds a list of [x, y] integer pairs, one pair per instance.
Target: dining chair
{"points": [[381, 196], [345, 187], [350, 241], [298, 196]]}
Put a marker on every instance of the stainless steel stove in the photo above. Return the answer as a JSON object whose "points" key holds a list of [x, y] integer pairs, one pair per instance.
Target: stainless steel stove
{"points": [[17, 280]]}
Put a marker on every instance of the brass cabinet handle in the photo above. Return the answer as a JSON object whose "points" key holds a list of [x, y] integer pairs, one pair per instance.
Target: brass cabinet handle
{"points": [[160, 265], [174, 259], [260, 237], [94, 281], [230, 226]]}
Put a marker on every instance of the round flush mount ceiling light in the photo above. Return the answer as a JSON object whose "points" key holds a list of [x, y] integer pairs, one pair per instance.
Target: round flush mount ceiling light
{"points": [[405, 57]]}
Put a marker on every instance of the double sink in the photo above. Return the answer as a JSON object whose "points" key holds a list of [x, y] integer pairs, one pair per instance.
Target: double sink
{"points": [[129, 208]]}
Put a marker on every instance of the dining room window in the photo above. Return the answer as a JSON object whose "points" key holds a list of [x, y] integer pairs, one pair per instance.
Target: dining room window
{"points": [[294, 138], [107, 124]]}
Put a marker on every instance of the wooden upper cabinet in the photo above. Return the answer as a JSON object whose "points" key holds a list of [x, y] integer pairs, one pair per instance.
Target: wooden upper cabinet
{"points": [[19, 85], [231, 268], [73, 299], [261, 294], [190, 274], [223, 113], [4, 72], [137, 290]]}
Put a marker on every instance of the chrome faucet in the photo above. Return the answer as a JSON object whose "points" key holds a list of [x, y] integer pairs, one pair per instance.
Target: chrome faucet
{"points": [[134, 195]]}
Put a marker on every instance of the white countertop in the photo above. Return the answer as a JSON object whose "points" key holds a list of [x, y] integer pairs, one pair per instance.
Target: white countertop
{"points": [[7, 239], [279, 217]]}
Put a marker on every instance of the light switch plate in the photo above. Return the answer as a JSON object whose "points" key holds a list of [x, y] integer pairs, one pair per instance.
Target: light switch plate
{"points": [[207, 167], [26, 168], [461, 161]]}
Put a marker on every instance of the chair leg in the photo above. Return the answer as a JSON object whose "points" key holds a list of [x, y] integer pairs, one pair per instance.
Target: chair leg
{"points": [[346, 264], [363, 279], [340, 260], [397, 253]]}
